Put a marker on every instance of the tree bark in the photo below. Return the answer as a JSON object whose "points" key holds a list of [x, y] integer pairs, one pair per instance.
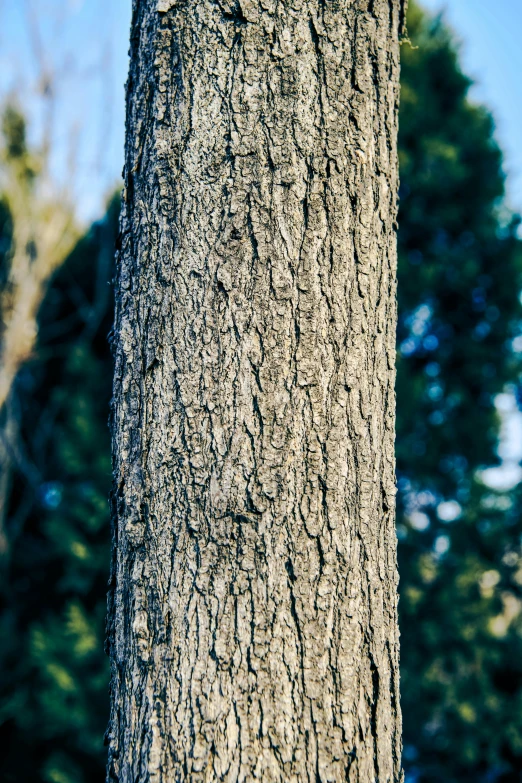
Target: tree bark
{"points": [[253, 602]]}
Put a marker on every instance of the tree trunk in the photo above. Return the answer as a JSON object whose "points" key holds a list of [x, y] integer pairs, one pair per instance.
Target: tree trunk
{"points": [[253, 604]]}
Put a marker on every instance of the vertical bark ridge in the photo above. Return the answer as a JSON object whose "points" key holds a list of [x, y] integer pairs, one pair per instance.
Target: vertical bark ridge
{"points": [[253, 623]]}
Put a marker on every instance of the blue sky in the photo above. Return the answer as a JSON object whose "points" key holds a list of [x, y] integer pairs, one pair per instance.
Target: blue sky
{"points": [[85, 44], [490, 35]]}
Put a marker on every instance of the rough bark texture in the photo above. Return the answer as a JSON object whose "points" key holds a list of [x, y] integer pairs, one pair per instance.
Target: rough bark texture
{"points": [[253, 605]]}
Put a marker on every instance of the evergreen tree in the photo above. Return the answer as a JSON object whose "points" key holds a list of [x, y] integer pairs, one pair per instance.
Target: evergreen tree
{"points": [[459, 279], [53, 672]]}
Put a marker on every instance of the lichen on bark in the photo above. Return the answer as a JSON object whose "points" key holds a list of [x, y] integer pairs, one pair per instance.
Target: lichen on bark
{"points": [[253, 603]]}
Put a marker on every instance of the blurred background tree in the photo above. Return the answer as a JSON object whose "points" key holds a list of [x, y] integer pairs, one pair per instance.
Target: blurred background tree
{"points": [[460, 274], [54, 676], [460, 266]]}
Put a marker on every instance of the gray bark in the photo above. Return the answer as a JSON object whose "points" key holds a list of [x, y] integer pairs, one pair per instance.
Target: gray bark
{"points": [[253, 604]]}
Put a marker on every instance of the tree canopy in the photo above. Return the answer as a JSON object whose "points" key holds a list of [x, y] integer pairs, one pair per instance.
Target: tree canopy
{"points": [[460, 267]]}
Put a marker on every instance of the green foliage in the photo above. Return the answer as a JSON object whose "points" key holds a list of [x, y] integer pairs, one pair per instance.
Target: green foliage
{"points": [[53, 672], [13, 129], [460, 265], [459, 271], [15, 150]]}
